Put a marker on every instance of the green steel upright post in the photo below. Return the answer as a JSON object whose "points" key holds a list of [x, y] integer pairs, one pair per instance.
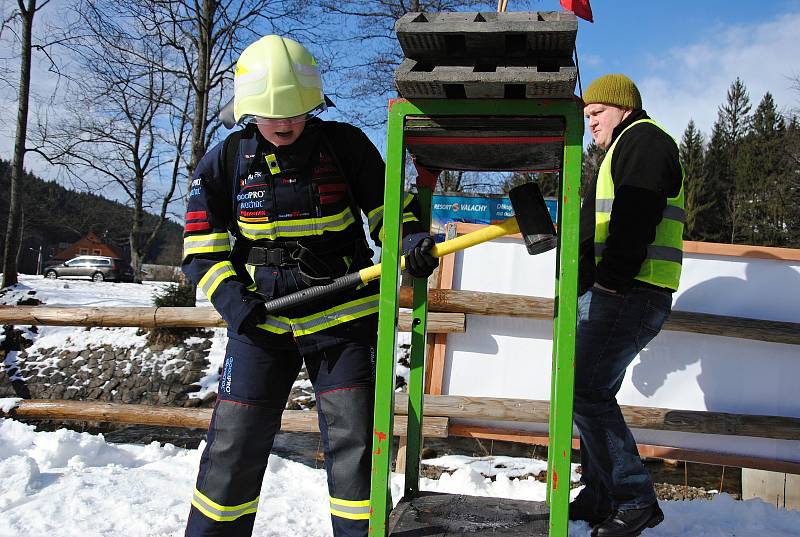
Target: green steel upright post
{"points": [[416, 381], [565, 304], [380, 495], [564, 326]]}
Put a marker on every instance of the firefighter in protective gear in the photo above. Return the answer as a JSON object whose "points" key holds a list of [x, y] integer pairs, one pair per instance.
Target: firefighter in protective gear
{"points": [[274, 209]]}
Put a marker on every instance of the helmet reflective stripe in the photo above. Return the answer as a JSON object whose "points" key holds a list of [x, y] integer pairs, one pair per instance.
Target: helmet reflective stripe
{"points": [[222, 513], [250, 83], [204, 244], [351, 509], [297, 227], [310, 324], [662, 266], [214, 276], [308, 75], [276, 77]]}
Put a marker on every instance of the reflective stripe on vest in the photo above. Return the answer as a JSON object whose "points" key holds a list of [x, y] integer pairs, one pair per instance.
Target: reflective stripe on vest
{"points": [[206, 244], [310, 324], [222, 513], [299, 227], [662, 266], [211, 280], [350, 509]]}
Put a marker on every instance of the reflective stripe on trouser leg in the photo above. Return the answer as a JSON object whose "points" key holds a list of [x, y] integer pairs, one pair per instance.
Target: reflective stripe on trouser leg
{"points": [[253, 387], [345, 417], [232, 467]]}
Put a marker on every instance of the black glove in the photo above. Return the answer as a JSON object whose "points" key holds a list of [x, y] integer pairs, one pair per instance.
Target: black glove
{"points": [[420, 263]]}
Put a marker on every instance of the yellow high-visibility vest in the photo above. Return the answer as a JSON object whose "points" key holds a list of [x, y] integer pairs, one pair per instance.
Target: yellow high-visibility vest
{"points": [[662, 266]]}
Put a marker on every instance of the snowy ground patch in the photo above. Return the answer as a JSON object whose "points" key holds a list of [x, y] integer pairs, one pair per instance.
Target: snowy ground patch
{"points": [[69, 484]]}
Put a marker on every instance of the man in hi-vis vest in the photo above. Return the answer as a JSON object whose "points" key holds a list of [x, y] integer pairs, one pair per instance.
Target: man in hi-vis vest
{"points": [[630, 264]]}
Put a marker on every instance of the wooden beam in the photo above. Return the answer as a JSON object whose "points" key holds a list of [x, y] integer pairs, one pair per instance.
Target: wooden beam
{"points": [[436, 358], [448, 307], [171, 317], [292, 420], [481, 303], [723, 325], [660, 419], [645, 450]]}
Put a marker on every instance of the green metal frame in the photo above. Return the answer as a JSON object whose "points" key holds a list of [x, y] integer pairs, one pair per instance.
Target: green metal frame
{"points": [[565, 305]]}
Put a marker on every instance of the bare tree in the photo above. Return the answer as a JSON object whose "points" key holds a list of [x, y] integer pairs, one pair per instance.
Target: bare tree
{"points": [[364, 78], [207, 36], [25, 14], [121, 128]]}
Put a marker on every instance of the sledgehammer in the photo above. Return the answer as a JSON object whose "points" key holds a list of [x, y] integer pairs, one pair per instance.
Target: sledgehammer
{"points": [[532, 220]]}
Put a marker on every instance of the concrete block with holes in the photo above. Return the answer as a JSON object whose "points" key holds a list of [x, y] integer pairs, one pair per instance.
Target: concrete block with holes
{"points": [[486, 35], [539, 78]]}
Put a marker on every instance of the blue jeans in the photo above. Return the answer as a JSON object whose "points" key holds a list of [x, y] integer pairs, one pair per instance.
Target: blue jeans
{"points": [[612, 329]]}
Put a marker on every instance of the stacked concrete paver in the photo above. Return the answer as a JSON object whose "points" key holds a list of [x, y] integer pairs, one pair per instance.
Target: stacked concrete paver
{"points": [[487, 55]]}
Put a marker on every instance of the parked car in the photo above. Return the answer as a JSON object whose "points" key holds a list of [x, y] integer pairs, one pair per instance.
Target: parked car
{"points": [[94, 267]]}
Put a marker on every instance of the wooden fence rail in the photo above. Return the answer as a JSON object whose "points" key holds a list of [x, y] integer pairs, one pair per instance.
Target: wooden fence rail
{"points": [[438, 323], [448, 306], [638, 417], [438, 410], [482, 303], [292, 420]]}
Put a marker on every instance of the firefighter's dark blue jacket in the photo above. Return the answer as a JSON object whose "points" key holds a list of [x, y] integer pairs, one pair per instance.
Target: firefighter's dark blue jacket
{"points": [[299, 199]]}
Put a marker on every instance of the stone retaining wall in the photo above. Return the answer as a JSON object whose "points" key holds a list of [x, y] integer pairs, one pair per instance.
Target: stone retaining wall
{"points": [[137, 374]]}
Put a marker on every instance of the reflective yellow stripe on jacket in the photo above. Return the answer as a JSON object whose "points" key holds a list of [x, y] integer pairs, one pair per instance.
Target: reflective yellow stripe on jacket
{"points": [[298, 227], [215, 275], [303, 326], [662, 266], [206, 244], [375, 216]]}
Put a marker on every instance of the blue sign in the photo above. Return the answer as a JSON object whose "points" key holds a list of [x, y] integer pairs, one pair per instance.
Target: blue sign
{"points": [[474, 210]]}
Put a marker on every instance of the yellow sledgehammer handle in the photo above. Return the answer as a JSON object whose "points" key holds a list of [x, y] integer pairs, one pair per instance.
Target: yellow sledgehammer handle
{"points": [[352, 281], [494, 231]]}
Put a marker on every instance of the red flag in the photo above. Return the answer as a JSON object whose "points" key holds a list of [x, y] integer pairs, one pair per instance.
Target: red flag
{"points": [[581, 8]]}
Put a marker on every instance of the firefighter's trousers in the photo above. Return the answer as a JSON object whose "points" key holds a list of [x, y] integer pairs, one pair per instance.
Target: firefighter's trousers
{"points": [[253, 389]]}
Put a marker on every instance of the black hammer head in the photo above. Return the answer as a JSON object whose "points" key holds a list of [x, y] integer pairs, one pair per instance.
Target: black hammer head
{"points": [[533, 218]]}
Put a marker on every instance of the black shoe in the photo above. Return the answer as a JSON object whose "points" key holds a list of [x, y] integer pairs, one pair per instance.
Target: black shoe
{"points": [[630, 522], [586, 506]]}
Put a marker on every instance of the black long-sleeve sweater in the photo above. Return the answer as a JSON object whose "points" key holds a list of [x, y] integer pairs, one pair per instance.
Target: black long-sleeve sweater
{"points": [[646, 171]]}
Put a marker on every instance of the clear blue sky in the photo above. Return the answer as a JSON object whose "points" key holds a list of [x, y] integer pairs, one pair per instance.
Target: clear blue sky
{"points": [[684, 54]]}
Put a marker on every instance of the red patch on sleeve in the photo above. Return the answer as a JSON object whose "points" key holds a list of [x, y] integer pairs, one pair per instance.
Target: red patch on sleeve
{"points": [[197, 226], [196, 215]]}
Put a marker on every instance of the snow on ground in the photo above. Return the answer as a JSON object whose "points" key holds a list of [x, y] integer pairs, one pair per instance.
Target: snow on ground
{"points": [[69, 484]]}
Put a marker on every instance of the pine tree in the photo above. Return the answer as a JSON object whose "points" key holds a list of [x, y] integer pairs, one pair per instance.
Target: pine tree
{"points": [[762, 169], [711, 224], [697, 196], [735, 113], [792, 143], [590, 165], [719, 221]]}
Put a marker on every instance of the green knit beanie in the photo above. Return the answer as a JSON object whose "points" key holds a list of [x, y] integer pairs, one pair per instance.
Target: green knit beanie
{"points": [[616, 89]]}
